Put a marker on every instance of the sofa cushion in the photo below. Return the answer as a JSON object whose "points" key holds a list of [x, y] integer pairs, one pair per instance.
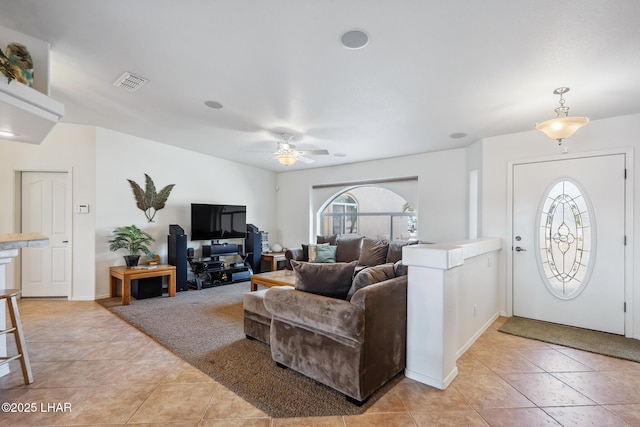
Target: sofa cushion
{"points": [[331, 239], [325, 254], [330, 280], [305, 251], [371, 275], [348, 249], [400, 269], [313, 252], [394, 253], [373, 252]]}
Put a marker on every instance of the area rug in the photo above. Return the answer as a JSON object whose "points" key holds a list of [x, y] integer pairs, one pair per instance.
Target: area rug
{"points": [[205, 328], [569, 336]]}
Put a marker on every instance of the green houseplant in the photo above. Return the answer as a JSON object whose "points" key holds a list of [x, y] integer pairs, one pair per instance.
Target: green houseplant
{"points": [[132, 239]]}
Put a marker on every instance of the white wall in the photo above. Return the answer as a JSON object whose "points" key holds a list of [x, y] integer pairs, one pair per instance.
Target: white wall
{"points": [[99, 162], [441, 199], [606, 134], [67, 148], [198, 179]]}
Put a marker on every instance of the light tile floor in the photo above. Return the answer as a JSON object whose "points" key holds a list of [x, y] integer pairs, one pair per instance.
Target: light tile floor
{"points": [[112, 374]]}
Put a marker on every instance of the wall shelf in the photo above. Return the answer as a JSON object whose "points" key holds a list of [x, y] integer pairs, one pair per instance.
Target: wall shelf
{"points": [[27, 112]]}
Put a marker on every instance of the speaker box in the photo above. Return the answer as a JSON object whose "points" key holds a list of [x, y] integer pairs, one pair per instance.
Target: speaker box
{"points": [[206, 251], [223, 248], [177, 255], [176, 229], [254, 248], [146, 288]]}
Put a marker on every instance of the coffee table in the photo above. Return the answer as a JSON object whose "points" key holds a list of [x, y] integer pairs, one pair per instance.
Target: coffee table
{"points": [[272, 278]]}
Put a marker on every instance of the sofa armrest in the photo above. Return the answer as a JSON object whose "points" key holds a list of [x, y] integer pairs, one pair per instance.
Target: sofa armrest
{"points": [[293, 254], [385, 306], [379, 296], [328, 315]]}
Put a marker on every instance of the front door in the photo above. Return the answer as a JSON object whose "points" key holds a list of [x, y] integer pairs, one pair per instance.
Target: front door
{"points": [[569, 242], [46, 270]]}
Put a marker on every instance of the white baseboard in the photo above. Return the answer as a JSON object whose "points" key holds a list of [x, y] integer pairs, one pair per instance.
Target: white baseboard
{"points": [[475, 336]]}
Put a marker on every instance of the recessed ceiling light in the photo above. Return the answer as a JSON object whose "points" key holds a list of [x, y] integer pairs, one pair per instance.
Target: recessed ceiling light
{"points": [[8, 133], [213, 104], [354, 39], [457, 135]]}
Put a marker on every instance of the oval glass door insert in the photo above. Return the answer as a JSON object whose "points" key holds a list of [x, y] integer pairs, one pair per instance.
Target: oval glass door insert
{"points": [[566, 239]]}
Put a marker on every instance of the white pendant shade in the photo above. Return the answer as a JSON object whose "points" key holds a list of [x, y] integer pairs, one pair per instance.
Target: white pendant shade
{"points": [[561, 127]]}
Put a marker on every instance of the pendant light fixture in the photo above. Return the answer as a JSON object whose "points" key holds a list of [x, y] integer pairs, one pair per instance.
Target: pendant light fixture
{"points": [[561, 127]]}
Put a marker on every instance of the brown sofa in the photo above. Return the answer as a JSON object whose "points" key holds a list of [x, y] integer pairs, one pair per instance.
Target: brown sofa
{"points": [[367, 251], [354, 345]]}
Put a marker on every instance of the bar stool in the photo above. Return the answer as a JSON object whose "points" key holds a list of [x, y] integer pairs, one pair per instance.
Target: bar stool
{"points": [[12, 304]]}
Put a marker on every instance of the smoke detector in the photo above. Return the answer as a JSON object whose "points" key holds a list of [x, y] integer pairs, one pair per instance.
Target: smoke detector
{"points": [[130, 81]]}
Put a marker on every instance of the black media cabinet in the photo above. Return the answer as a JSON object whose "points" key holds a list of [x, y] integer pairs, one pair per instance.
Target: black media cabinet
{"points": [[214, 271]]}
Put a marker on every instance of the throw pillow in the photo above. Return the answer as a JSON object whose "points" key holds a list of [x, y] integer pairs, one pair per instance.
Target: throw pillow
{"points": [[330, 280], [325, 254], [313, 251], [305, 251], [348, 249], [371, 275], [400, 269], [373, 252], [394, 254], [327, 239]]}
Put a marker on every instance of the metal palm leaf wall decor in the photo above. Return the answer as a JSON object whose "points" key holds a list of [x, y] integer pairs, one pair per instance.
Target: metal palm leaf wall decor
{"points": [[149, 200]]}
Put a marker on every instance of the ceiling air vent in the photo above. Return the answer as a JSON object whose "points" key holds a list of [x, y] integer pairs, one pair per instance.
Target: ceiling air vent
{"points": [[130, 81]]}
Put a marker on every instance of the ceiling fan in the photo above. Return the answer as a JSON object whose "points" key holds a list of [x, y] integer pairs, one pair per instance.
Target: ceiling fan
{"points": [[287, 154]]}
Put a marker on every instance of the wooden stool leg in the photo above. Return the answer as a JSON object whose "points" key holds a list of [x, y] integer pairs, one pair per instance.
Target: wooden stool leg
{"points": [[20, 342]]}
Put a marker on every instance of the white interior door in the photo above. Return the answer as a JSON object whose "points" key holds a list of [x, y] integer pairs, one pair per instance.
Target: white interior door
{"points": [[46, 270], [569, 242]]}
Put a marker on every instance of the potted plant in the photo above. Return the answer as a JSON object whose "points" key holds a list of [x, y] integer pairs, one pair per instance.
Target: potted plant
{"points": [[134, 240]]}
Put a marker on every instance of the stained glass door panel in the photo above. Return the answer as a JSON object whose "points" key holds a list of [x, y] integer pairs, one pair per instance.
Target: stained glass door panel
{"points": [[568, 248]]}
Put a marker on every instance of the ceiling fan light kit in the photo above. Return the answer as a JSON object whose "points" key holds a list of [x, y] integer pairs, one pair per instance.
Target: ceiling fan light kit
{"points": [[287, 154], [286, 159], [562, 126]]}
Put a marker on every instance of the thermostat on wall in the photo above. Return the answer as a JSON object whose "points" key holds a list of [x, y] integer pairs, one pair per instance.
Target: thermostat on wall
{"points": [[82, 209]]}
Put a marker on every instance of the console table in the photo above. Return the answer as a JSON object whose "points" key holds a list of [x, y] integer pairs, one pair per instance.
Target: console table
{"points": [[127, 274]]}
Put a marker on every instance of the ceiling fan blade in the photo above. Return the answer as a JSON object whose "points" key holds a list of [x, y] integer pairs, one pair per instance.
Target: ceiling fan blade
{"points": [[305, 160], [313, 152]]}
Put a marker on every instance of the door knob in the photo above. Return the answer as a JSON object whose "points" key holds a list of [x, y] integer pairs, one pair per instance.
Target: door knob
{"points": [[519, 249]]}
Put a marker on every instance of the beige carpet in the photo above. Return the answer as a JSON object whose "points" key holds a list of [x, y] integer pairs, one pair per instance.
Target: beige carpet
{"points": [[205, 328], [569, 336]]}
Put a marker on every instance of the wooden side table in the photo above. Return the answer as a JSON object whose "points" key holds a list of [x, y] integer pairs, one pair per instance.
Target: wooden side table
{"points": [[126, 275], [274, 258]]}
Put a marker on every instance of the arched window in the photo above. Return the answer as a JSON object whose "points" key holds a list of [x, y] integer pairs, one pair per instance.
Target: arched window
{"points": [[370, 211]]}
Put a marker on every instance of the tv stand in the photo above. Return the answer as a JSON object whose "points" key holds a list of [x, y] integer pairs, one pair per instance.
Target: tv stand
{"points": [[213, 271]]}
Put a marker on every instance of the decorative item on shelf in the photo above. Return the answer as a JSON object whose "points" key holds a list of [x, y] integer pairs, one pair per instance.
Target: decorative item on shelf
{"points": [[19, 55], [153, 259], [561, 127], [149, 200], [276, 247], [9, 70], [132, 239]]}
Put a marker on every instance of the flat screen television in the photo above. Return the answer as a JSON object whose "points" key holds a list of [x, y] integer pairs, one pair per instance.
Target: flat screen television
{"points": [[218, 221]]}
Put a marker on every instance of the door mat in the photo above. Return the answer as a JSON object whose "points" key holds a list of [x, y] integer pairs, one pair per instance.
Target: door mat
{"points": [[569, 336]]}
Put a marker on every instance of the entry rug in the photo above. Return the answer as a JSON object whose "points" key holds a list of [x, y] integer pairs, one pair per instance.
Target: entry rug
{"points": [[569, 336]]}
